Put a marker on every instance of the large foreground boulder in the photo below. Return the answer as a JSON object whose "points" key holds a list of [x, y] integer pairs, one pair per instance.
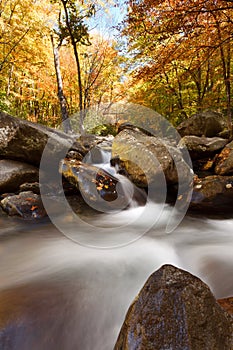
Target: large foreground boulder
{"points": [[207, 123], [14, 173], [175, 310]]}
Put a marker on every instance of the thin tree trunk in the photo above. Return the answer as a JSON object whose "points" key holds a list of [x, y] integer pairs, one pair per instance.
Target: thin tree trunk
{"points": [[226, 74], [62, 100], [81, 109], [9, 80], [74, 45]]}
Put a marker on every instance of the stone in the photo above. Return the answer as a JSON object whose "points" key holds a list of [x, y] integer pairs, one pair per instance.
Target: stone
{"points": [[175, 310], [26, 205], [207, 123], [201, 147], [146, 158], [30, 186], [100, 189], [25, 141], [214, 194], [224, 161], [14, 173]]}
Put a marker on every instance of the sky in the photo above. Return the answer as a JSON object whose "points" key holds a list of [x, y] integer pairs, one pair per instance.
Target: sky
{"points": [[105, 20]]}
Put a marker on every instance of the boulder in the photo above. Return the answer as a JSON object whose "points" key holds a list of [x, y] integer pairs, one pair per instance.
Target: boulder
{"points": [[26, 205], [212, 193], [25, 141], [201, 147], [175, 310], [207, 123], [144, 158], [224, 161], [14, 173]]}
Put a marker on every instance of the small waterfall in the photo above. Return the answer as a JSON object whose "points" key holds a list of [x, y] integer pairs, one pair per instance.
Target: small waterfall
{"points": [[101, 157]]}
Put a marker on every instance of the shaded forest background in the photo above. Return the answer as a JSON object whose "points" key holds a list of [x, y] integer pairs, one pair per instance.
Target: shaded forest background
{"points": [[172, 56]]}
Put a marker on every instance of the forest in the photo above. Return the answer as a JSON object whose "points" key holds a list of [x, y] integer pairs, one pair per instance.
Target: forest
{"points": [[172, 56]]}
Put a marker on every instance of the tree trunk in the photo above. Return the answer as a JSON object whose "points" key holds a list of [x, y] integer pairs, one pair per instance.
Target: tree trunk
{"points": [[62, 100], [226, 60], [10, 80], [74, 45]]}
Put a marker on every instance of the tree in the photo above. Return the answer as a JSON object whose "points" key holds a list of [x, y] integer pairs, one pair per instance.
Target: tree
{"points": [[63, 105], [195, 36], [73, 29]]}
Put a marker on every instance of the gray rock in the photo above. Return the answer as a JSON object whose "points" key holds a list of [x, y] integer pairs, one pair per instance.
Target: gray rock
{"points": [[145, 158], [200, 147], [25, 141], [26, 205], [175, 310], [207, 123], [212, 194], [14, 173], [224, 161], [30, 186]]}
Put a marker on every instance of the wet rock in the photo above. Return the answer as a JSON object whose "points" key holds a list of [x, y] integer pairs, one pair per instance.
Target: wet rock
{"points": [[26, 205], [212, 193], [145, 158], [204, 167], [207, 123], [14, 173], [201, 147], [33, 187], [227, 304], [224, 161], [175, 310], [86, 143], [100, 189]]}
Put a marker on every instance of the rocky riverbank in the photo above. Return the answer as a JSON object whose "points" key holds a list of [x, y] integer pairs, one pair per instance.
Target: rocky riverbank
{"points": [[174, 309], [146, 160]]}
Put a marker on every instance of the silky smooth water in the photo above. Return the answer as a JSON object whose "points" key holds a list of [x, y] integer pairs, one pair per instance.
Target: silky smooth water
{"points": [[98, 285]]}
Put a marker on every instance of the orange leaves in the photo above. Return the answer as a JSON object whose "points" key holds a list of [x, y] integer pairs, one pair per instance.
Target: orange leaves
{"points": [[181, 49]]}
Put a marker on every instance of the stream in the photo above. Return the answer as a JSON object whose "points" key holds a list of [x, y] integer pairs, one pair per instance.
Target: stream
{"points": [[58, 294], [66, 284]]}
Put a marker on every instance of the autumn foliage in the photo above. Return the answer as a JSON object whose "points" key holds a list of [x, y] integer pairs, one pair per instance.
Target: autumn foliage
{"points": [[28, 85], [183, 52], [178, 54]]}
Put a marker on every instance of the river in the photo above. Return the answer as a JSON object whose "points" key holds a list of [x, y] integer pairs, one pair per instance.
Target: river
{"points": [[59, 294]]}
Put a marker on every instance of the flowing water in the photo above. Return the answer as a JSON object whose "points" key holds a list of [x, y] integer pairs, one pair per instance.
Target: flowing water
{"points": [[56, 294], [75, 297]]}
